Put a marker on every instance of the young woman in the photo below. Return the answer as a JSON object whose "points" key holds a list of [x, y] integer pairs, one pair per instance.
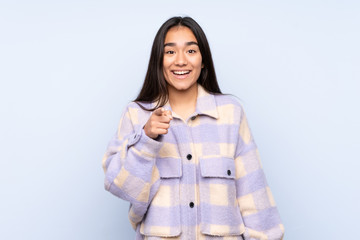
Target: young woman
{"points": [[183, 154]]}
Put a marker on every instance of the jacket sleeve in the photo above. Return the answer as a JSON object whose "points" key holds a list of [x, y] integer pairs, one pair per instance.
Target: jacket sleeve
{"points": [[129, 165], [257, 205]]}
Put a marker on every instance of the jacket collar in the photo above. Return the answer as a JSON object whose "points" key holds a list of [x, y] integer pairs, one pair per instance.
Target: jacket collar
{"points": [[205, 104]]}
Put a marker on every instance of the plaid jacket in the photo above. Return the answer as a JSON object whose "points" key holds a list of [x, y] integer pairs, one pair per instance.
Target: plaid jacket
{"points": [[201, 180]]}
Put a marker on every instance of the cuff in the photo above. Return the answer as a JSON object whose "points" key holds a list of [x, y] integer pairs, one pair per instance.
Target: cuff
{"points": [[144, 143]]}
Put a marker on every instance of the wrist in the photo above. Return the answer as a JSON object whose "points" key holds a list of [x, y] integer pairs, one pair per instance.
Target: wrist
{"points": [[153, 136]]}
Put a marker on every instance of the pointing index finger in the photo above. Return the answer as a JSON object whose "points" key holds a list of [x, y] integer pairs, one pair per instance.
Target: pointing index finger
{"points": [[159, 111], [169, 114]]}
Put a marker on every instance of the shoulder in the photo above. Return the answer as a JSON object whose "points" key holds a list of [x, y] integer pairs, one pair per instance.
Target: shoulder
{"points": [[136, 114], [229, 108], [229, 101], [137, 106]]}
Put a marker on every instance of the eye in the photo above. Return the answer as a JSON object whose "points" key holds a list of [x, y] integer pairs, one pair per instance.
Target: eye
{"points": [[170, 52], [191, 51]]}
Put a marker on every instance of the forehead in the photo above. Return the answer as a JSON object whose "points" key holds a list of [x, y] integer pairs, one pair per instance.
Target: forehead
{"points": [[179, 35]]}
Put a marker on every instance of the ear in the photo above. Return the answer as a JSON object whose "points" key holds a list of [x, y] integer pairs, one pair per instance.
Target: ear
{"points": [[202, 65]]}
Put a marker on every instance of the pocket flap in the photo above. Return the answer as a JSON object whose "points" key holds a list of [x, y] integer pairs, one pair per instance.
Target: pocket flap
{"points": [[222, 167], [169, 167]]}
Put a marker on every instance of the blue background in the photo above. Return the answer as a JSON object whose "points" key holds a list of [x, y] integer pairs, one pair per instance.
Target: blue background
{"points": [[68, 68]]}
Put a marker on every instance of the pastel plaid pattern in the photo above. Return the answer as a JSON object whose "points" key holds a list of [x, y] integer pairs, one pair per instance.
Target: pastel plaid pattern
{"points": [[201, 180]]}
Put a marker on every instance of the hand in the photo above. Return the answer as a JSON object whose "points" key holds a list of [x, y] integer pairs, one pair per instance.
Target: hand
{"points": [[158, 123]]}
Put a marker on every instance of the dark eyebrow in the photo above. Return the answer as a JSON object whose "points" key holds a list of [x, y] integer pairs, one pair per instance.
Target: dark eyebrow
{"points": [[171, 44]]}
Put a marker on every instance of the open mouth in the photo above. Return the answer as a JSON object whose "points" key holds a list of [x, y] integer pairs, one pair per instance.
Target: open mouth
{"points": [[180, 73]]}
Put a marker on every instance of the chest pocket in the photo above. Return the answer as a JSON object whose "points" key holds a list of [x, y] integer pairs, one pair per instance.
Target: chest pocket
{"points": [[220, 213], [162, 218]]}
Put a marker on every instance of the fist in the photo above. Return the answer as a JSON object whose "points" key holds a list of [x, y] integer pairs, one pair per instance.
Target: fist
{"points": [[158, 123]]}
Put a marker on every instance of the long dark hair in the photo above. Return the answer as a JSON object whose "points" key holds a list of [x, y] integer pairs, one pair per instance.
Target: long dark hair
{"points": [[155, 85]]}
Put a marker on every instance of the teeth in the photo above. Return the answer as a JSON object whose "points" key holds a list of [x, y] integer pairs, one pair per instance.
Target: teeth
{"points": [[181, 72]]}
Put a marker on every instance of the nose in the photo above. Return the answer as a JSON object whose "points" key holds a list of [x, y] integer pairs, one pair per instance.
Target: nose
{"points": [[180, 59]]}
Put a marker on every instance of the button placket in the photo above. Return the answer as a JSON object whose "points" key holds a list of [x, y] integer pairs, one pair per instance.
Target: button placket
{"points": [[188, 195]]}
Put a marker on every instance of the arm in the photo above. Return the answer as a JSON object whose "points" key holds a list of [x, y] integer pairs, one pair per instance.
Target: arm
{"points": [[129, 165], [257, 205]]}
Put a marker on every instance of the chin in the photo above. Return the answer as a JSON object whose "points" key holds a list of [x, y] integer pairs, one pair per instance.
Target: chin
{"points": [[182, 87]]}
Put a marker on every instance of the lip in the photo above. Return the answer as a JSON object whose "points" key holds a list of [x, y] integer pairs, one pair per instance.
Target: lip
{"points": [[183, 76]]}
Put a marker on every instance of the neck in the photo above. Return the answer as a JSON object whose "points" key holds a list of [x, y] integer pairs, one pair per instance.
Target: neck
{"points": [[180, 98]]}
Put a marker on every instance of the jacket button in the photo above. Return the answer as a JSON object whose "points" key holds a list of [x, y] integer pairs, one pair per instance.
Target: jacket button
{"points": [[191, 204], [193, 117], [189, 157], [229, 172]]}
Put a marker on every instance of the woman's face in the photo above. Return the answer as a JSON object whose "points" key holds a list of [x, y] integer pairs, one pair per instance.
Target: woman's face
{"points": [[182, 58]]}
